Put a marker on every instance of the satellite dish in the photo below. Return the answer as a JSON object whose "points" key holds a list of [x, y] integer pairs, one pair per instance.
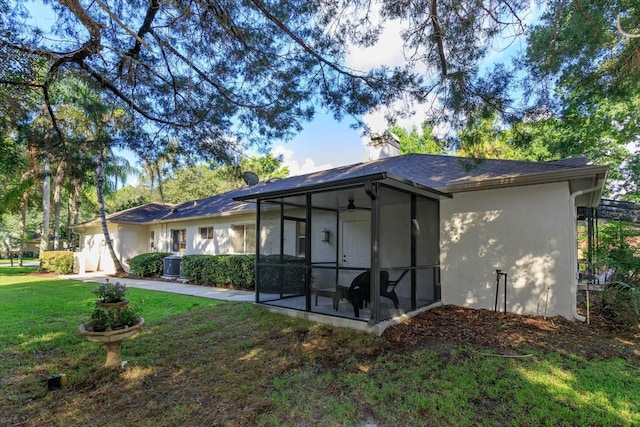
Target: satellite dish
{"points": [[250, 178]]}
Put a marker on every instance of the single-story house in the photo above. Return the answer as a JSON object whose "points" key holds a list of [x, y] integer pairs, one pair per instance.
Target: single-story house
{"points": [[214, 225], [386, 238]]}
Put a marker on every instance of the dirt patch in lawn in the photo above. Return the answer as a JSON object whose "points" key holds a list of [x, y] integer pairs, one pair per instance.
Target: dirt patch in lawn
{"points": [[512, 334], [44, 274]]}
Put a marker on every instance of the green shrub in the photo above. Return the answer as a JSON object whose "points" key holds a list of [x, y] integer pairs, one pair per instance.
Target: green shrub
{"points": [[286, 276], [56, 262], [147, 265], [617, 252], [235, 271], [621, 305]]}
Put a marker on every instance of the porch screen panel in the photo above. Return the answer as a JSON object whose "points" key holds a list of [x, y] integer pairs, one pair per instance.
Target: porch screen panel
{"points": [[427, 226], [281, 267], [268, 259], [325, 297], [395, 250]]}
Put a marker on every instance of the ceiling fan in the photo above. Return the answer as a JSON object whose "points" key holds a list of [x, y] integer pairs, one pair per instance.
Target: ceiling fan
{"points": [[352, 207]]}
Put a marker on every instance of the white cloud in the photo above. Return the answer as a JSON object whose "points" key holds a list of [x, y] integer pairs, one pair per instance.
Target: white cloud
{"points": [[388, 50], [295, 167], [377, 122]]}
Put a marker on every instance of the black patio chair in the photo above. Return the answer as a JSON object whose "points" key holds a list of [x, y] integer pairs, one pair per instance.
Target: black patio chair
{"points": [[360, 290], [389, 290], [358, 293]]}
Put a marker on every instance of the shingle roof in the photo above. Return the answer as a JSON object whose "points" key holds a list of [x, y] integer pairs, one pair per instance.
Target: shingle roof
{"points": [[217, 204], [442, 173], [158, 212], [143, 213]]}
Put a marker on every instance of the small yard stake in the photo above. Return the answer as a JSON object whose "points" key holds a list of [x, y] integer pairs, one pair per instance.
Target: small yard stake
{"points": [[588, 320], [499, 273], [546, 302]]}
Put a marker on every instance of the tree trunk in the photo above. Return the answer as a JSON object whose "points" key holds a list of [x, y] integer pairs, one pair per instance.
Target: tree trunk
{"points": [[23, 221], [46, 203], [103, 217], [33, 168], [57, 190], [73, 210], [70, 243], [159, 179]]}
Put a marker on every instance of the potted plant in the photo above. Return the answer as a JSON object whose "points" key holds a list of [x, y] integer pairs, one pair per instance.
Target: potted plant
{"points": [[111, 294], [112, 321]]}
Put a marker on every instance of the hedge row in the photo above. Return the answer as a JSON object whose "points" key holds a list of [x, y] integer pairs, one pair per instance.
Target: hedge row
{"points": [[60, 262], [287, 275], [237, 271], [147, 265]]}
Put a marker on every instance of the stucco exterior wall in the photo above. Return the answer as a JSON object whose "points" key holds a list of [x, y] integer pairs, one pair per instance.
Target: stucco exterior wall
{"points": [[94, 253], [130, 240], [221, 243], [523, 231]]}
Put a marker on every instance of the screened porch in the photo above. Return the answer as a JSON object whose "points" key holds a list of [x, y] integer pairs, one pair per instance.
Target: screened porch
{"points": [[365, 249]]}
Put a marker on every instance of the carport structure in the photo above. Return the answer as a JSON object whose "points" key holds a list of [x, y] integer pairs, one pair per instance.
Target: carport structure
{"points": [[317, 233]]}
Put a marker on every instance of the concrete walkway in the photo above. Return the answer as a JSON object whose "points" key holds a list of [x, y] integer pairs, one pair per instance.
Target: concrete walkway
{"points": [[166, 286]]}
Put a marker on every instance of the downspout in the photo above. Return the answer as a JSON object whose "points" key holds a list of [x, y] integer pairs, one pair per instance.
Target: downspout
{"points": [[574, 252]]}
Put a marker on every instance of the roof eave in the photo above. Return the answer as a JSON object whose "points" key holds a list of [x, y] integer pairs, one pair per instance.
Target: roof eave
{"points": [[205, 216], [337, 184], [522, 180]]}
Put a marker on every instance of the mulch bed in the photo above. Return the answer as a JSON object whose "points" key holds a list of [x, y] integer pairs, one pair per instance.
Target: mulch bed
{"points": [[512, 334]]}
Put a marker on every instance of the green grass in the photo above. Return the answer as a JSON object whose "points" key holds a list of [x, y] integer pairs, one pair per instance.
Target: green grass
{"points": [[204, 362]]}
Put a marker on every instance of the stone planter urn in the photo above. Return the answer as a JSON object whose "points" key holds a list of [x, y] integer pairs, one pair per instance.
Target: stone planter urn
{"points": [[112, 341]]}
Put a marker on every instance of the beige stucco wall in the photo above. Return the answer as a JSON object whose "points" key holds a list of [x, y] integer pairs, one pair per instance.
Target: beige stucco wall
{"points": [[524, 231], [130, 240], [93, 249], [222, 231]]}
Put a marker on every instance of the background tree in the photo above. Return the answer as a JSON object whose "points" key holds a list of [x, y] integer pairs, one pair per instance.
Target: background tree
{"points": [[418, 141], [193, 182], [584, 76]]}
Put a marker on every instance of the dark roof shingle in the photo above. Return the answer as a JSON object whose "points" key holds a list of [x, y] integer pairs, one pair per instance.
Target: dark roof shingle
{"points": [[437, 172]]}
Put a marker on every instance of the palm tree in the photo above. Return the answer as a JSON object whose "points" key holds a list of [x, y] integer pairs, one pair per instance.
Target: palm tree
{"points": [[91, 125]]}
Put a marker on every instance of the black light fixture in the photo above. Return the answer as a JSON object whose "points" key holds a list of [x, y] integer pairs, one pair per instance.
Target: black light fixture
{"points": [[351, 206]]}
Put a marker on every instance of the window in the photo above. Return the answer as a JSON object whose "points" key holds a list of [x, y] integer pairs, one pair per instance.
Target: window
{"points": [[179, 240], [206, 233], [301, 237], [152, 241], [244, 238]]}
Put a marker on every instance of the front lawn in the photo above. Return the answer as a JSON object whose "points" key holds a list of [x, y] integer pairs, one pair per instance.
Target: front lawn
{"points": [[202, 362]]}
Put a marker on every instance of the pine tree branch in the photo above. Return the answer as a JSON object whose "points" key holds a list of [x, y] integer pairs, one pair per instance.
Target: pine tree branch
{"points": [[111, 87], [439, 34], [303, 45]]}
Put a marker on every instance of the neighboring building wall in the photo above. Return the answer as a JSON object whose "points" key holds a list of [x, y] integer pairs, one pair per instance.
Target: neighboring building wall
{"points": [[524, 231]]}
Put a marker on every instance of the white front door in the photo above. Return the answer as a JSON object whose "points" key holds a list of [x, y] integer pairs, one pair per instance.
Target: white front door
{"points": [[355, 248]]}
